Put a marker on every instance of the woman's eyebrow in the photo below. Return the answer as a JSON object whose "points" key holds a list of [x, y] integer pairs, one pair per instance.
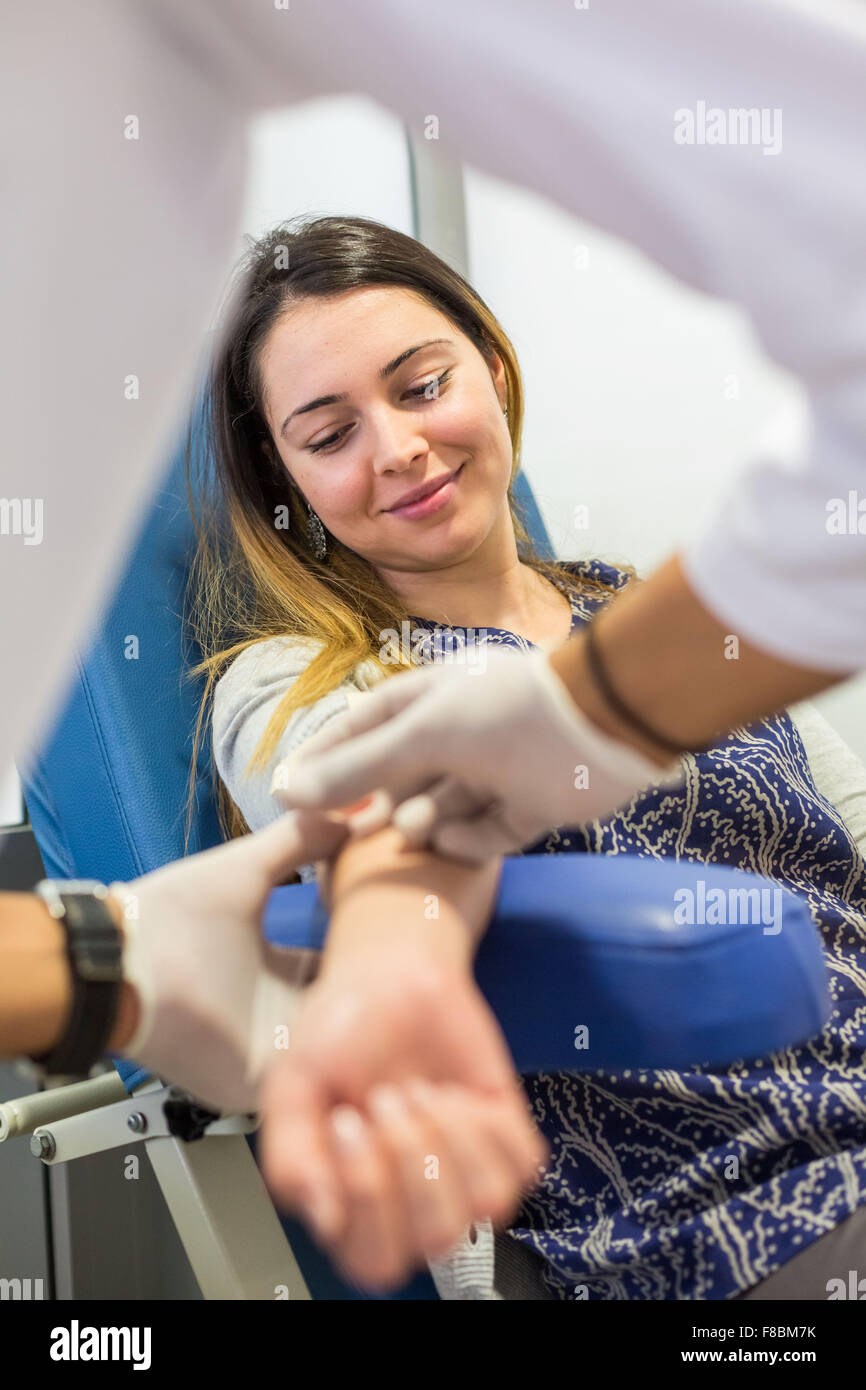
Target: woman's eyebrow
{"points": [[388, 370]]}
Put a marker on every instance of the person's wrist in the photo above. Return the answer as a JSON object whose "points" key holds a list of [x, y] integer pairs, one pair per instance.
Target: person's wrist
{"points": [[366, 936], [570, 663], [391, 970]]}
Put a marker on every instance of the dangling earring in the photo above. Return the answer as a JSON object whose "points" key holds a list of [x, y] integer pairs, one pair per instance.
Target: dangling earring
{"points": [[505, 412], [316, 534]]}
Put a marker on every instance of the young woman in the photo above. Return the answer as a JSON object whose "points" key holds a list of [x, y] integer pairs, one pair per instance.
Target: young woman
{"points": [[357, 369]]}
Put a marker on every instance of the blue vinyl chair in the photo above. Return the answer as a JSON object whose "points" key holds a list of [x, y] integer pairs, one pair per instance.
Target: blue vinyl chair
{"points": [[577, 941]]}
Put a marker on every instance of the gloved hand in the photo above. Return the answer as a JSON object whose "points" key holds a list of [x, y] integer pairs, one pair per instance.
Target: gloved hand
{"points": [[211, 991], [471, 762]]}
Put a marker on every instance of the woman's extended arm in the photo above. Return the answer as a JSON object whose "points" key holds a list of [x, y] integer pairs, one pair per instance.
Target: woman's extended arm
{"points": [[388, 1175]]}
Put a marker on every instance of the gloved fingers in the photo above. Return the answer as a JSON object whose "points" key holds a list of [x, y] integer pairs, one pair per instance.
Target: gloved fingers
{"points": [[299, 837], [475, 839], [296, 1153], [274, 1005], [337, 729], [395, 758], [138, 972], [389, 698], [447, 799]]}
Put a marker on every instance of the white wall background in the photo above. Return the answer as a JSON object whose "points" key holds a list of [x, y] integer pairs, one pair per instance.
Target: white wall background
{"points": [[335, 155]]}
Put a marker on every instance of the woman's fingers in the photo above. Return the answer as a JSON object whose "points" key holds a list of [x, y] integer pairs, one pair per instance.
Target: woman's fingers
{"points": [[517, 1139], [459, 1157], [407, 1178], [493, 1177], [373, 1248], [432, 1177], [488, 1176], [514, 1130], [295, 1149]]}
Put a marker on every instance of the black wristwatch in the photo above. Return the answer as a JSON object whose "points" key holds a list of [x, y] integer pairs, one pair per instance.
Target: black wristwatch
{"points": [[94, 947]]}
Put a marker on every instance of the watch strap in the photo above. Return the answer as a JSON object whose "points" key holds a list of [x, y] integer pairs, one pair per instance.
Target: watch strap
{"points": [[94, 949]]}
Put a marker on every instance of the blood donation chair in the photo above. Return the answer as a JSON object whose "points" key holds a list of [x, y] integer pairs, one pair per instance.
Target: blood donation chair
{"points": [[585, 962]]}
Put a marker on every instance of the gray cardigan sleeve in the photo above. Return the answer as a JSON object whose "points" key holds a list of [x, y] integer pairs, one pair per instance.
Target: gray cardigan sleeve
{"points": [[244, 700]]}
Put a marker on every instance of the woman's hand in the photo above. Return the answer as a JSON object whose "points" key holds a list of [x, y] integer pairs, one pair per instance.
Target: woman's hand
{"points": [[396, 1118]]}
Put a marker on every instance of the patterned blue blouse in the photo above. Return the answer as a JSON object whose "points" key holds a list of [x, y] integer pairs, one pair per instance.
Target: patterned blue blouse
{"points": [[698, 1185]]}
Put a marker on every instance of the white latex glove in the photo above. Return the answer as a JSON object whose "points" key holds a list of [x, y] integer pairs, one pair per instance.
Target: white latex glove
{"points": [[209, 986], [471, 762]]}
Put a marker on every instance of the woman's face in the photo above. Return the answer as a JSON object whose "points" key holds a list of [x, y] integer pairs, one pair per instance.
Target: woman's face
{"points": [[437, 413]]}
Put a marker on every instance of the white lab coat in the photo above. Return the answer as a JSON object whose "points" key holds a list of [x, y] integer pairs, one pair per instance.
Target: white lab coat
{"points": [[115, 251]]}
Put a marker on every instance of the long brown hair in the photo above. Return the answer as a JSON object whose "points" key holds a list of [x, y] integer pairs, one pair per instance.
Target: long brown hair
{"points": [[253, 575]]}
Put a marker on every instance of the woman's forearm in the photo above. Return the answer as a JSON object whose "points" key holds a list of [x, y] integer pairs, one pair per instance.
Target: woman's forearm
{"points": [[384, 894]]}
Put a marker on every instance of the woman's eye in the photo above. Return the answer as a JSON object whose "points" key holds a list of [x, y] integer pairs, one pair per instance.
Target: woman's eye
{"points": [[438, 382], [316, 448], [418, 392]]}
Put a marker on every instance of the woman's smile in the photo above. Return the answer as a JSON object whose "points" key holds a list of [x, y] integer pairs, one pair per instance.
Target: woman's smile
{"points": [[434, 503]]}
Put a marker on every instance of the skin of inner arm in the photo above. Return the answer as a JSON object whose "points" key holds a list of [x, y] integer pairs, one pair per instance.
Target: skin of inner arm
{"points": [[383, 892]]}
